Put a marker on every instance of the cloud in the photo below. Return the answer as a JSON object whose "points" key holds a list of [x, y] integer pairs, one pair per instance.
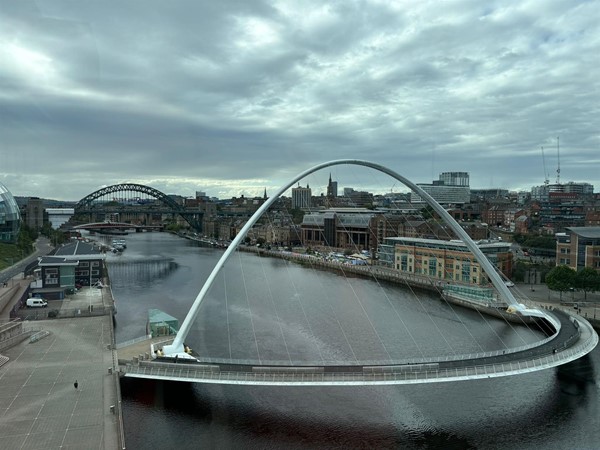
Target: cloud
{"points": [[233, 96]]}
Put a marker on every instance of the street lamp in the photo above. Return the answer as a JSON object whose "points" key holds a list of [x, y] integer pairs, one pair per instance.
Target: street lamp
{"points": [[531, 278]]}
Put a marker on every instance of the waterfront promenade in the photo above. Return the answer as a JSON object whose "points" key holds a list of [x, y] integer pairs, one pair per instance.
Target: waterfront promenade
{"points": [[39, 405]]}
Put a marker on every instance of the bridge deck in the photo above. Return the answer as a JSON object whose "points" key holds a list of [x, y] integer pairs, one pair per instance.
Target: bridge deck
{"points": [[571, 343]]}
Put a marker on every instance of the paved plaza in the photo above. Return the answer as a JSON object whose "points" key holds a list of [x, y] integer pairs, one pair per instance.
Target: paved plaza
{"points": [[39, 406]]}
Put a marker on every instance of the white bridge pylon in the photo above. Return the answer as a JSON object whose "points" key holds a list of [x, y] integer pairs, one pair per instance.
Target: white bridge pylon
{"points": [[177, 347]]}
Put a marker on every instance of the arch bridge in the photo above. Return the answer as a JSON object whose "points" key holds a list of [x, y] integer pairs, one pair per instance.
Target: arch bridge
{"points": [[133, 202], [568, 337]]}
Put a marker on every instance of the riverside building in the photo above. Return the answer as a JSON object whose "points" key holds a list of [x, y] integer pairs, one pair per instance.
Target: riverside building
{"points": [[579, 247], [443, 260]]}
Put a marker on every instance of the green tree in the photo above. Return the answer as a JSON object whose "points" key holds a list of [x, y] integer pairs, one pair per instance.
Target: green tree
{"points": [[588, 280], [561, 278], [297, 215], [25, 240], [428, 213], [519, 270], [173, 227]]}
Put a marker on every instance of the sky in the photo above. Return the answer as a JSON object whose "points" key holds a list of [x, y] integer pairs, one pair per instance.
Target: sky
{"points": [[235, 97]]}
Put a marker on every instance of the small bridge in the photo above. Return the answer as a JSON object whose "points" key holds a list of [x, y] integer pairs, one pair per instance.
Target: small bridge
{"points": [[108, 227], [568, 337]]}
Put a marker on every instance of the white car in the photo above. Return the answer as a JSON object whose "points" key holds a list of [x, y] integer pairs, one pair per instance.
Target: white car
{"points": [[36, 303], [509, 283]]}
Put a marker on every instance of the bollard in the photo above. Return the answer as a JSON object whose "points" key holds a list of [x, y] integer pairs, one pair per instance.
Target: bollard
{"points": [[110, 370], [112, 409]]}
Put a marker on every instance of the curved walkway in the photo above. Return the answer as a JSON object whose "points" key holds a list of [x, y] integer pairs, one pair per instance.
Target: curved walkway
{"points": [[575, 339]]}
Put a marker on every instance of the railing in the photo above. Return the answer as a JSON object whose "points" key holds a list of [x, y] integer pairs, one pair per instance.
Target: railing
{"points": [[39, 335], [415, 371], [115, 374], [132, 341], [174, 371], [45, 313]]}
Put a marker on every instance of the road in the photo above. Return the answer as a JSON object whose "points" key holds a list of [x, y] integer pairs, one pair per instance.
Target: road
{"points": [[42, 247]]}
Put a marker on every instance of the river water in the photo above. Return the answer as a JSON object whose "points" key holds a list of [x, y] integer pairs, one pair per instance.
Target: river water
{"points": [[268, 310]]}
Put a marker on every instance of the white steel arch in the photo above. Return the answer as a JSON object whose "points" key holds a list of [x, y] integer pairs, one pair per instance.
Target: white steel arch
{"points": [[177, 347]]}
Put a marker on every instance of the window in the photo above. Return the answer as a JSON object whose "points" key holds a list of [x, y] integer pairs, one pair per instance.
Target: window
{"points": [[51, 277], [466, 271], [432, 267], [404, 263]]}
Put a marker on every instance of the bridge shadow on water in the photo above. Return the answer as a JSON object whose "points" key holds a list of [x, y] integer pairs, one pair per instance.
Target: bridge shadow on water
{"points": [[240, 422], [577, 376], [463, 415]]}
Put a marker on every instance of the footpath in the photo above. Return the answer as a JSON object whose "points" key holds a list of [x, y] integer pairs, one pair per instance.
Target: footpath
{"points": [[576, 302]]}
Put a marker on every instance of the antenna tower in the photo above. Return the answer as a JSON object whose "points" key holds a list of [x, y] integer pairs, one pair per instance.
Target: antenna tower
{"points": [[558, 155]]}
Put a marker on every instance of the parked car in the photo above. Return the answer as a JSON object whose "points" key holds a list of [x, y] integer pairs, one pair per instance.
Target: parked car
{"points": [[36, 303]]}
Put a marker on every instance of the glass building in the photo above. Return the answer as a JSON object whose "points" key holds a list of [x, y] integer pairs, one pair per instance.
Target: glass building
{"points": [[10, 219]]}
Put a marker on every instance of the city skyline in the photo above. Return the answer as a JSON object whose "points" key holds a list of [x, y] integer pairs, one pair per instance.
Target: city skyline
{"points": [[231, 99], [289, 193]]}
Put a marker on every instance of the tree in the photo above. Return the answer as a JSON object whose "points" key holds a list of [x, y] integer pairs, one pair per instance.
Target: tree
{"points": [[588, 280], [519, 270], [297, 215], [428, 213], [25, 240], [561, 278]]}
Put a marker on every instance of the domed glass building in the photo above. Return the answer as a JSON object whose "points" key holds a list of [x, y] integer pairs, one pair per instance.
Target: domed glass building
{"points": [[10, 219]]}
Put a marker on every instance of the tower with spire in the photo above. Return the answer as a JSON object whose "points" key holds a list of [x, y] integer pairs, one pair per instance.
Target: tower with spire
{"points": [[332, 187]]}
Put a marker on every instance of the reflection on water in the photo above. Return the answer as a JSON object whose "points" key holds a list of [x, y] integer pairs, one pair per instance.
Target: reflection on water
{"points": [[138, 270]]}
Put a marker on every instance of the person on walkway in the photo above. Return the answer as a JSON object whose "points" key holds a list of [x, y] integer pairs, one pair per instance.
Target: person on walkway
{"points": [[76, 384]]}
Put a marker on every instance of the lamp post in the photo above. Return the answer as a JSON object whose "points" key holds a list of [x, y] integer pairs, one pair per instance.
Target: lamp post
{"points": [[531, 278]]}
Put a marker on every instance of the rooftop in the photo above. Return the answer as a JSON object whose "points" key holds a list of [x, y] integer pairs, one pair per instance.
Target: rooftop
{"points": [[586, 232]]}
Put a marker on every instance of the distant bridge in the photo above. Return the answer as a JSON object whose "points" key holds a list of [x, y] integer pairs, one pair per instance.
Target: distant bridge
{"points": [[116, 226], [568, 339], [134, 200]]}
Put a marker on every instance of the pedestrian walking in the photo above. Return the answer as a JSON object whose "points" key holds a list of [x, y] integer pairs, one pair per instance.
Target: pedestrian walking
{"points": [[76, 384]]}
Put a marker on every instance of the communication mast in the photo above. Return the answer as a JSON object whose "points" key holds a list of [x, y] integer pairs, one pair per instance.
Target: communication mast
{"points": [[558, 154]]}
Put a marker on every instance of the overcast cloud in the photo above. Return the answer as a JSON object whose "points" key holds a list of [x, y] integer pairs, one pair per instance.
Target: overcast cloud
{"points": [[233, 97]]}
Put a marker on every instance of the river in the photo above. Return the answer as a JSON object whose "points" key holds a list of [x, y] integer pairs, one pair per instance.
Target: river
{"points": [[268, 310]]}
